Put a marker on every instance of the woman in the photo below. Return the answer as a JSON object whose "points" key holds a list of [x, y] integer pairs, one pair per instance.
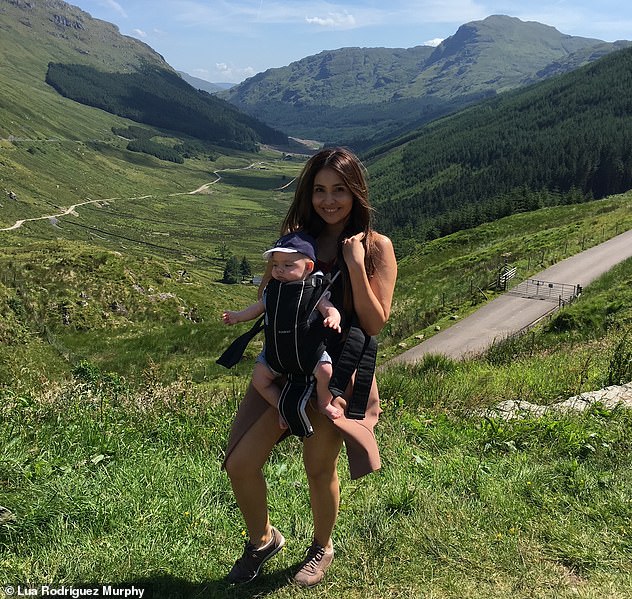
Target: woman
{"points": [[331, 204]]}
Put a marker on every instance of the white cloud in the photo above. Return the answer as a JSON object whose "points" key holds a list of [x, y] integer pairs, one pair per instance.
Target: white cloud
{"points": [[139, 33], [333, 20], [229, 73], [115, 6], [434, 42], [238, 14]]}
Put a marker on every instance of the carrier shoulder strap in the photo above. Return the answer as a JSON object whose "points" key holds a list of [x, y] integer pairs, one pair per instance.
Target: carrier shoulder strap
{"points": [[236, 349], [359, 354]]}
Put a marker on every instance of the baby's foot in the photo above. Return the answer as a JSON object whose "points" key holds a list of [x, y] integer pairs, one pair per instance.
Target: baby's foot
{"points": [[331, 411]]}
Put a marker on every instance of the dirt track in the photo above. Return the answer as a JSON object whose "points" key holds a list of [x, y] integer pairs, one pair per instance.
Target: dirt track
{"points": [[17, 224]]}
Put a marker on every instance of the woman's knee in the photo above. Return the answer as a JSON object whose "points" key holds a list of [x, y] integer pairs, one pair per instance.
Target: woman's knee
{"points": [[321, 475], [242, 463], [320, 455]]}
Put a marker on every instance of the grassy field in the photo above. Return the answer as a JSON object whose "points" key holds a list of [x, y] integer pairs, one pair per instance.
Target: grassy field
{"points": [[114, 416], [111, 472], [109, 484], [133, 279]]}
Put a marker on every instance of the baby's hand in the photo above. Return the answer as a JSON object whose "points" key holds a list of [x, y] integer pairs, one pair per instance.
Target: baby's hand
{"points": [[333, 321], [230, 317]]}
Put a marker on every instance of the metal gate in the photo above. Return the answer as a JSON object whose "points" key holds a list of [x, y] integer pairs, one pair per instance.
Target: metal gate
{"points": [[559, 293]]}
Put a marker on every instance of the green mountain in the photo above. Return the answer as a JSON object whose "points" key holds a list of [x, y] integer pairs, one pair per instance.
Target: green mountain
{"points": [[564, 140], [89, 61], [361, 95]]}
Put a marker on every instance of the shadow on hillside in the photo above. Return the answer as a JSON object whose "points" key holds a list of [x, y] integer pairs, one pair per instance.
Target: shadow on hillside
{"points": [[165, 586]]}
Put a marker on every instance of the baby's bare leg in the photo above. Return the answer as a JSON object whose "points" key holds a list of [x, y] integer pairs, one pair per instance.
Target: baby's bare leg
{"points": [[324, 397], [264, 381]]}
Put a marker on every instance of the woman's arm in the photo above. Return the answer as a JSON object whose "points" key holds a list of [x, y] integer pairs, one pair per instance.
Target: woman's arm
{"points": [[372, 298]]}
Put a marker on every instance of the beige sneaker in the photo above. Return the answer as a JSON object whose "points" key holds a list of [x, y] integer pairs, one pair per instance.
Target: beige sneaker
{"points": [[314, 566]]}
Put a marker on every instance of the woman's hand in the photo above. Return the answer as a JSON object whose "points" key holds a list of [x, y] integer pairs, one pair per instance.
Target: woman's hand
{"points": [[372, 295], [353, 250]]}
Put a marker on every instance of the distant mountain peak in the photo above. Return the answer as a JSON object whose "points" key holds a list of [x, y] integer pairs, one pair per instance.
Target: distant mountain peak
{"points": [[355, 94]]}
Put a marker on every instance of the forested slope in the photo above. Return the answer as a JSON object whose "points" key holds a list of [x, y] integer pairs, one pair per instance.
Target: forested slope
{"points": [[158, 97], [564, 140]]}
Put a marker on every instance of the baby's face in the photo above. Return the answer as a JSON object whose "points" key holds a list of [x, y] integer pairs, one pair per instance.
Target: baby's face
{"points": [[290, 267]]}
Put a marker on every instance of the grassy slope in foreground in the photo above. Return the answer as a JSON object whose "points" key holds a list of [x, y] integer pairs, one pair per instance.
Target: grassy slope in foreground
{"points": [[119, 485]]}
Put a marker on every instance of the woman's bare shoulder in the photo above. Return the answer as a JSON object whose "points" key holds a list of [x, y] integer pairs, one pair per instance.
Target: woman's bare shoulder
{"points": [[381, 239], [383, 243]]}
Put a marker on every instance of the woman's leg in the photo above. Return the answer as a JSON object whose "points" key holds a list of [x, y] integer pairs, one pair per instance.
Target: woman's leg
{"points": [[320, 456], [244, 466]]}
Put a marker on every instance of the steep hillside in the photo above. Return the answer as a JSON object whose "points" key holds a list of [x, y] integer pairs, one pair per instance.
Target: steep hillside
{"points": [[564, 140], [359, 95], [56, 152], [94, 54]]}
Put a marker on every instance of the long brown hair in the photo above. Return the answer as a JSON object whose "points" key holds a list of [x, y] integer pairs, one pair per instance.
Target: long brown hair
{"points": [[302, 216]]}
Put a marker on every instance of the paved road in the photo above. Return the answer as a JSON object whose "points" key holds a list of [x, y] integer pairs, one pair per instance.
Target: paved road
{"points": [[524, 304]]}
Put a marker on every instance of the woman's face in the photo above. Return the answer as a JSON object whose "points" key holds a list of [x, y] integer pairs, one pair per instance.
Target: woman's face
{"points": [[331, 198]]}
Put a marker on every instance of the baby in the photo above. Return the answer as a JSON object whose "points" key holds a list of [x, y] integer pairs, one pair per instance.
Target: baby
{"points": [[292, 258]]}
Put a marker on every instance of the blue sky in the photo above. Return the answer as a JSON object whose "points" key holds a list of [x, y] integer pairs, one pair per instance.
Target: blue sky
{"points": [[228, 41]]}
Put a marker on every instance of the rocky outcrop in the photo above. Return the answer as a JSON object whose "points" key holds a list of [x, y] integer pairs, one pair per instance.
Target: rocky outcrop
{"points": [[610, 397]]}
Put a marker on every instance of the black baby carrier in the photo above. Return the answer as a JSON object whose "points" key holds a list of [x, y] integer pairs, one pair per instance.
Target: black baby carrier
{"points": [[295, 339]]}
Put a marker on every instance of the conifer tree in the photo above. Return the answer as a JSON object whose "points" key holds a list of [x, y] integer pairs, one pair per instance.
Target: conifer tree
{"points": [[245, 269], [231, 271]]}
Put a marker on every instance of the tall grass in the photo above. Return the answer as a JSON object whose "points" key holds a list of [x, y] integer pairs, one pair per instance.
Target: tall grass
{"points": [[119, 483], [113, 420], [110, 485]]}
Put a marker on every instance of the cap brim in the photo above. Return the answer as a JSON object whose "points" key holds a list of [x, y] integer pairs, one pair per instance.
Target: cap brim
{"points": [[267, 253]]}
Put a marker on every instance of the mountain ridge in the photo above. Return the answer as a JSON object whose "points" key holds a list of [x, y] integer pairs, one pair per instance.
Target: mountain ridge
{"points": [[357, 96], [53, 32]]}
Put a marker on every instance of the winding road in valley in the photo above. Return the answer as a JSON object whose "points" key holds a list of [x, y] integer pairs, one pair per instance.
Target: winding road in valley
{"points": [[523, 305], [71, 209]]}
